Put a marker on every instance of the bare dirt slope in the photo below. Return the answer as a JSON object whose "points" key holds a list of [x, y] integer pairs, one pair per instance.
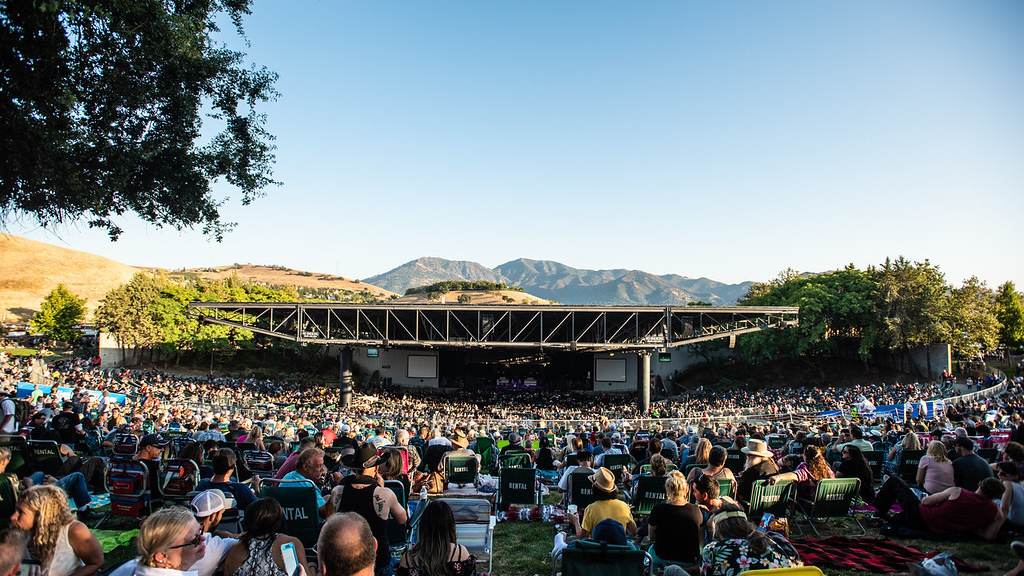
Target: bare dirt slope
{"points": [[476, 297], [30, 269]]}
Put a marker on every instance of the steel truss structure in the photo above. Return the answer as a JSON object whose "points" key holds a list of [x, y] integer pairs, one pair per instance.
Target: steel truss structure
{"points": [[593, 328]]}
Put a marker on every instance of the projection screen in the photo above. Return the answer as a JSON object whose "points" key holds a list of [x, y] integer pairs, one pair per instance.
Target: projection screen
{"points": [[610, 369], [422, 367]]}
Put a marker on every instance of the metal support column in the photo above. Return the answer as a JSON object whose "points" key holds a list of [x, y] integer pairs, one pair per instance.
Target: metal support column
{"points": [[346, 376], [643, 362]]}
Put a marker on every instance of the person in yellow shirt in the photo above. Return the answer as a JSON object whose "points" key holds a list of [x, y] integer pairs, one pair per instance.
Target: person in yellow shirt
{"points": [[607, 506]]}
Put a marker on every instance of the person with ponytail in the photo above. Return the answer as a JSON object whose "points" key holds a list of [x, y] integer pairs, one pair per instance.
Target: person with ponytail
{"points": [[62, 545], [437, 553], [738, 546]]}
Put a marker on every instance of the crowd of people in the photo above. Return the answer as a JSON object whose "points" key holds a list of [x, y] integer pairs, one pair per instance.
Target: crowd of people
{"points": [[389, 435]]}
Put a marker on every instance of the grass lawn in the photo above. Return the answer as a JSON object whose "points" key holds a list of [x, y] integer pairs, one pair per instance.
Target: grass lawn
{"points": [[522, 548], [24, 352]]}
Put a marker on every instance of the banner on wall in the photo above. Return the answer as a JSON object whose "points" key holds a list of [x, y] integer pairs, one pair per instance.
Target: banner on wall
{"points": [[25, 390]]}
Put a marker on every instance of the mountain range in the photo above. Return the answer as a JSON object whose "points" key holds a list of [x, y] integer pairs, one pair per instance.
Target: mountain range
{"points": [[565, 284]]}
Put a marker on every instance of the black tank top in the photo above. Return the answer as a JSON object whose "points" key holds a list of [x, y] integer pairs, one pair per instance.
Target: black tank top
{"points": [[360, 501]]}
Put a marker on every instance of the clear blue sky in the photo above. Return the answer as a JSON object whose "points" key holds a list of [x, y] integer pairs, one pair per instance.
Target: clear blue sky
{"points": [[720, 139]]}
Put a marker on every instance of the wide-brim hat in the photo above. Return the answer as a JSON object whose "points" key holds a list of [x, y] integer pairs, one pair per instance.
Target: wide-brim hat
{"points": [[459, 439], [603, 479], [757, 447]]}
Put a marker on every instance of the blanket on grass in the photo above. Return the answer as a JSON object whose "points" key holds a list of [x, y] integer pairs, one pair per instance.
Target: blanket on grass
{"points": [[867, 554]]}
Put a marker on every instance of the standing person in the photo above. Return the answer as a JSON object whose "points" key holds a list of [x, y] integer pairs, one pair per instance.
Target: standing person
{"points": [[258, 550], [364, 493], [8, 424], [675, 524], [61, 544], [437, 552], [759, 466]]}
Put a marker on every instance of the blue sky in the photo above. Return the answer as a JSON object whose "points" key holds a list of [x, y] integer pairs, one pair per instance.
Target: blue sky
{"points": [[720, 139]]}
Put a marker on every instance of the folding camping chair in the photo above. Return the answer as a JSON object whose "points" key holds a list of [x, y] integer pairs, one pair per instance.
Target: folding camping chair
{"points": [[907, 468], [127, 481], [474, 527], [650, 490], [260, 463], [734, 460], [178, 479], [485, 448], [832, 499], [460, 470], [617, 463], [765, 497], [398, 534], [586, 558], [517, 486], [301, 515], [515, 460], [44, 456], [19, 453], [581, 490]]}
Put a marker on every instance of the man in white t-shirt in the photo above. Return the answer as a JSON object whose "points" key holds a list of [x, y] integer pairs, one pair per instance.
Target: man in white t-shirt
{"points": [[8, 423], [208, 507]]}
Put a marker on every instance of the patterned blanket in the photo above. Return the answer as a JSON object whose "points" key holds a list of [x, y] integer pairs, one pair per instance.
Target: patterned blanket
{"points": [[867, 554]]}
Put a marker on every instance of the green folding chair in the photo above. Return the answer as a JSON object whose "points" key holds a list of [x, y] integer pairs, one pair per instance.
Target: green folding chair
{"points": [[650, 490], [516, 460], [581, 490], [833, 499], [907, 468], [301, 515], [517, 486], [765, 497], [461, 470], [587, 558], [726, 487], [485, 448], [735, 459], [617, 463]]}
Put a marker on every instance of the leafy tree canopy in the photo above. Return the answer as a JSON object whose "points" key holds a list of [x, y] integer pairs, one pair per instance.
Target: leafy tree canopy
{"points": [[453, 285], [100, 112], [1010, 314], [59, 315]]}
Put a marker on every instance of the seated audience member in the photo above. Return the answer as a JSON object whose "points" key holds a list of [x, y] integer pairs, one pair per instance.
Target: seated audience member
{"points": [[707, 493], [674, 526], [460, 443], [208, 507], [546, 456], [910, 442], [935, 471], [855, 465], [257, 551], [437, 552], [309, 471], [61, 544], [224, 463], [808, 473], [953, 512], [738, 546], [969, 469], [346, 547], [292, 460], [585, 460], [759, 466], [701, 453], [402, 440], [73, 484], [12, 551], [194, 451], [715, 467], [605, 506], [364, 493], [857, 439], [1012, 504], [170, 542]]}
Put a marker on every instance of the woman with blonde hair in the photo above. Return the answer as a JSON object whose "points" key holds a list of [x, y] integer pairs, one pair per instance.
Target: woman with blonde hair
{"points": [[675, 525], [700, 453], [935, 471], [910, 441], [61, 544], [170, 542], [255, 436]]}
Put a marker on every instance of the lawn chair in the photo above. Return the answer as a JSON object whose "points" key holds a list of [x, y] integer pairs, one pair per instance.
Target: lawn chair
{"points": [[517, 486], [474, 527], [776, 441], [301, 515], [876, 461], [765, 497], [398, 534], [126, 445], [907, 468], [127, 481], [19, 453], [461, 470], [178, 479], [617, 463], [586, 558], [581, 490], [44, 456], [726, 487], [571, 459], [260, 463], [645, 469], [515, 460], [650, 490], [485, 448], [734, 460], [832, 499]]}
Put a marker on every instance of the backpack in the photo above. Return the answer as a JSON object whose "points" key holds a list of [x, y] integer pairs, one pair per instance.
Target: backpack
{"points": [[22, 411]]}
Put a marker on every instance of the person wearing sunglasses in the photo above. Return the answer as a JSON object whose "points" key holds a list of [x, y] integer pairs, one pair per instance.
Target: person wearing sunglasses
{"points": [[61, 544], [170, 543]]}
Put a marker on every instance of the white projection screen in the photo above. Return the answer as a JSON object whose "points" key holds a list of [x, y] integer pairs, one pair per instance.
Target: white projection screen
{"points": [[610, 369], [422, 367]]}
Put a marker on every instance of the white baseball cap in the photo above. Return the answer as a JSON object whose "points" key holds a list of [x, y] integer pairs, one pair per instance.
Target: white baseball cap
{"points": [[209, 502]]}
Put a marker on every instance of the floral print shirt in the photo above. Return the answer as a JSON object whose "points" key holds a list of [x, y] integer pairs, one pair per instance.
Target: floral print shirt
{"points": [[731, 557]]}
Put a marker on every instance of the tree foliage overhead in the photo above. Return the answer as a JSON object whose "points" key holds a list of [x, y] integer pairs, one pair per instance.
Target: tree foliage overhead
{"points": [[1010, 314], [59, 315], [895, 306], [101, 105]]}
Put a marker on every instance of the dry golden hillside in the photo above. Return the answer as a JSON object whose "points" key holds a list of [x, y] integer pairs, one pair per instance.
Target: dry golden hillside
{"points": [[476, 297], [30, 269], [280, 276]]}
